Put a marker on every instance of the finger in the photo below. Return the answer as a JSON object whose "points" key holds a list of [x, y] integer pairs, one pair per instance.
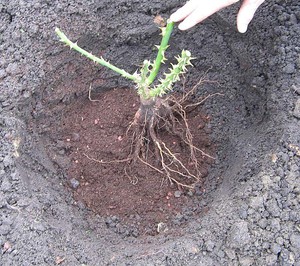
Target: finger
{"points": [[184, 11], [246, 14], [207, 8]]}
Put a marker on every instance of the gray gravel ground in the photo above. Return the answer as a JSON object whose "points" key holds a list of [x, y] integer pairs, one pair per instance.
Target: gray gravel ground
{"points": [[253, 190]]}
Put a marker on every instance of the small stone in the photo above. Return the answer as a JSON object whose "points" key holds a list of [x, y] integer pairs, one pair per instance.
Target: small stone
{"points": [[74, 183], [7, 161], [209, 245], [75, 136], [24, 202], [279, 240], [2, 73], [15, 176], [191, 247], [296, 88], [275, 225], [13, 69], [179, 218], [273, 209], [221, 254], [190, 193], [263, 223], [230, 253], [115, 218], [5, 186], [246, 261], [3, 202], [7, 247], [296, 112], [162, 227], [257, 202], [295, 241], [266, 180], [239, 235], [275, 248], [177, 194], [5, 229], [243, 212], [280, 171], [271, 260], [36, 226], [289, 68], [135, 233]]}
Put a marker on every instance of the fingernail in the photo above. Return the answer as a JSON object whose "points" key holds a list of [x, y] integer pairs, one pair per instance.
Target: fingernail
{"points": [[182, 26], [173, 17], [243, 28]]}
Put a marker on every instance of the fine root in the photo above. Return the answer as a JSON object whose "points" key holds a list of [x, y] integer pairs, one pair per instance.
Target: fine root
{"points": [[151, 121]]}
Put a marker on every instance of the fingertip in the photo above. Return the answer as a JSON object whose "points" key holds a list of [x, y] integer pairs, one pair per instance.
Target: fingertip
{"points": [[171, 18], [175, 17], [183, 26], [242, 28]]}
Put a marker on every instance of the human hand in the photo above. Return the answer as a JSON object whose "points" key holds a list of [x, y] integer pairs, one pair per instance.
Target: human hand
{"points": [[194, 11]]}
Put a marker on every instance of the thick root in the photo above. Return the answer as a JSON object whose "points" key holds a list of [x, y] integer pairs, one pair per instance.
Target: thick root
{"points": [[151, 120]]}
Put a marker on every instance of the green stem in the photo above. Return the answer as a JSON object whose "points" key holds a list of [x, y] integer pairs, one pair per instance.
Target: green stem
{"points": [[96, 59], [162, 48]]}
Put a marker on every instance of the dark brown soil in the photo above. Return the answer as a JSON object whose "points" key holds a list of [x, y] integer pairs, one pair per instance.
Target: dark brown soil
{"points": [[253, 187], [95, 134]]}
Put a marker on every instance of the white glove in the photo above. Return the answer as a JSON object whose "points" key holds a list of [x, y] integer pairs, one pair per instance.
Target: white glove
{"points": [[194, 11]]}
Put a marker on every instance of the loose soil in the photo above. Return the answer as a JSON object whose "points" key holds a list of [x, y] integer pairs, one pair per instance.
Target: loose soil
{"points": [[95, 136], [246, 211]]}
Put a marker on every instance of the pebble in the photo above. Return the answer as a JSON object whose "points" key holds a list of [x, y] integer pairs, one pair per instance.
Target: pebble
{"points": [[239, 235], [257, 202], [296, 112], [5, 186], [162, 227], [7, 161], [74, 183], [272, 208], [297, 88], [230, 253], [280, 171], [177, 194], [5, 229], [75, 136], [23, 202], [275, 248], [190, 193], [221, 254], [13, 69], [246, 261], [209, 245], [263, 223], [271, 260], [2, 73], [279, 240], [289, 68], [295, 241], [275, 225], [243, 212], [36, 226]]}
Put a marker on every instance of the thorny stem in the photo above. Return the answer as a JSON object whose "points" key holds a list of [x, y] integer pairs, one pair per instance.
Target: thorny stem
{"points": [[96, 59], [166, 33], [149, 70]]}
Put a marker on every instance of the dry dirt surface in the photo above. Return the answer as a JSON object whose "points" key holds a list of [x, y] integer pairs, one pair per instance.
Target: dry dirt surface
{"points": [[61, 207]]}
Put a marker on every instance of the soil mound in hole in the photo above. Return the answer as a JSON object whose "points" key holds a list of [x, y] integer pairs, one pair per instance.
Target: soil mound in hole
{"points": [[140, 198]]}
